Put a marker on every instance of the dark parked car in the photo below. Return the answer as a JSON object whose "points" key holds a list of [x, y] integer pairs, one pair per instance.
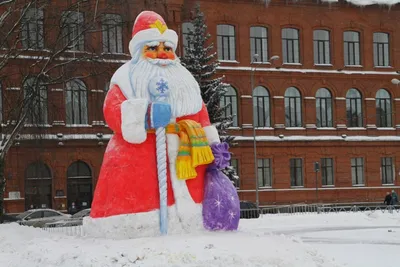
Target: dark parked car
{"points": [[248, 210], [8, 218]]}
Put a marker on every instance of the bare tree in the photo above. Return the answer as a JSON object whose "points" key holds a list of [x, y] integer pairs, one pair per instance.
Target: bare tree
{"points": [[51, 40]]}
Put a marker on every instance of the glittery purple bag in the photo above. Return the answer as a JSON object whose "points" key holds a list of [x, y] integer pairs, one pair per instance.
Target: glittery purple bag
{"points": [[221, 207]]}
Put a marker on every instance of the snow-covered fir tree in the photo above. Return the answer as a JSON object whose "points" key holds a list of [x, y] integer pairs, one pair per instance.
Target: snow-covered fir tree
{"points": [[200, 59]]}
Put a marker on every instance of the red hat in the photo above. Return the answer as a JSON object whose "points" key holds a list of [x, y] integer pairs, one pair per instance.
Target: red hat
{"points": [[149, 27]]}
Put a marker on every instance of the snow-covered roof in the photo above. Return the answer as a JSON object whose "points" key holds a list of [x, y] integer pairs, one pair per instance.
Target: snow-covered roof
{"points": [[356, 138], [356, 2], [368, 2], [345, 72]]}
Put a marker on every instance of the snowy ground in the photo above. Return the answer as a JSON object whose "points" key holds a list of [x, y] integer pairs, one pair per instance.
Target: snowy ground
{"points": [[325, 240]]}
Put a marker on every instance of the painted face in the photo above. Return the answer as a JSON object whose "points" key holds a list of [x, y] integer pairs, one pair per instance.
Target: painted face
{"points": [[160, 51]]}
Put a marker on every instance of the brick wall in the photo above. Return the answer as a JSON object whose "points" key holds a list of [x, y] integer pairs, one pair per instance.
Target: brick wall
{"points": [[305, 16]]}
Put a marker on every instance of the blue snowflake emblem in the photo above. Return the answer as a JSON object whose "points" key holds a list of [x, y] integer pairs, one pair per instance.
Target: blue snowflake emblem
{"points": [[162, 86]]}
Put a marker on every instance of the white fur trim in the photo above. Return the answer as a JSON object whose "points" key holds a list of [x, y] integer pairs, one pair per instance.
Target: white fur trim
{"points": [[152, 34], [186, 208], [121, 78], [212, 134], [133, 114], [153, 43], [143, 224]]}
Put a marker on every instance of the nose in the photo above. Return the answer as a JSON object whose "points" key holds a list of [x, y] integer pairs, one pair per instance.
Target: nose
{"points": [[162, 55]]}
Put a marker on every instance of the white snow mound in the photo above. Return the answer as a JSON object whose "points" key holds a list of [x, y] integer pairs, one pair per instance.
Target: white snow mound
{"points": [[24, 246]]}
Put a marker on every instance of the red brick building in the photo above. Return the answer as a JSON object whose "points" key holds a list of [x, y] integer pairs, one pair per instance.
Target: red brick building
{"points": [[328, 98]]}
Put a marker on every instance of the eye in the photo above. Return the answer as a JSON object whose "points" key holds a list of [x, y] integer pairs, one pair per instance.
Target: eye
{"points": [[152, 48], [167, 49]]}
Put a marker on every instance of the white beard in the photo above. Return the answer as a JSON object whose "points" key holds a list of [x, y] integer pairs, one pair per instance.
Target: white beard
{"points": [[184, 92]]}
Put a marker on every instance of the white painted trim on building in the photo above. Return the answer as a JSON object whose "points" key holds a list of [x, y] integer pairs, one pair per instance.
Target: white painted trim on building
{"points": [[246, 96], [247, 126], [292, 64], [386, 128], [299, 138], [11, 199], [237, 138], [323, 65], [38, 125], [327, 128], [78, 125], [295, 128], [98, 123], [240, 68], [264, 128], [324, 188], [228, 61], [356, 128], [58, 123], [65, 137]]}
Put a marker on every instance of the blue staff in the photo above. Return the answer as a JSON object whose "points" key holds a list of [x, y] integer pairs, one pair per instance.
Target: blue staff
{"points": [[159, 91]]}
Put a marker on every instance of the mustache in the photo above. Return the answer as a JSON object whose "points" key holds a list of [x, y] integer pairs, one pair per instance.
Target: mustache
{"points": [[163, 62]]}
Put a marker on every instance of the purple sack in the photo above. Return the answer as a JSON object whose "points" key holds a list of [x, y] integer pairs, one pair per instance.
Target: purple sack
{"points": [[221, 207]]}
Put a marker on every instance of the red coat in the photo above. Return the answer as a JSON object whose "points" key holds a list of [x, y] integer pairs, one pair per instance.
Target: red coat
{"points": [[128, 180]]}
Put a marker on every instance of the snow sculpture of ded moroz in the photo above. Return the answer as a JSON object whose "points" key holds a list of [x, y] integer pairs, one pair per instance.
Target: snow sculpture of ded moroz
{"points": [[161, 170]]}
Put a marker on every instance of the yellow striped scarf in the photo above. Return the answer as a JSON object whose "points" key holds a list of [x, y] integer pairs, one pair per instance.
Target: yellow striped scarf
{"points": [[194, 149]]}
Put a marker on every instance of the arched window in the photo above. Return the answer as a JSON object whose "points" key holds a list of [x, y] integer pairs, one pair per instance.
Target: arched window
{"points": [[352, 54], [324, 108], [383, 109], [259, 43], [354, 108], [229, 101], [112, 33], [322, 54], [186, 28], [261, 108], [79, 170], [226, 43], [38, 186], [73, 30], [290, 45], [293, 107], [32, 29], [35, 95], [381, 49], [76, 102], [79, 180]]}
